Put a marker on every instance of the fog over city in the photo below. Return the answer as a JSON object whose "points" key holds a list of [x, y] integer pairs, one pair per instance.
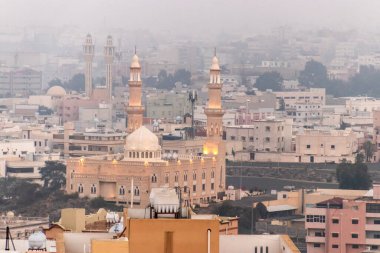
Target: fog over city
{"points": [[165, 126], [196, 17]]}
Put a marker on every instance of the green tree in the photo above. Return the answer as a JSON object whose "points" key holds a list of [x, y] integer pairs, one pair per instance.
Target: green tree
{"points": [[369, 149], [269, 80], [76, 83], [183, 76], [55, 82], [53, 175], [353, 176], [314, 75]]}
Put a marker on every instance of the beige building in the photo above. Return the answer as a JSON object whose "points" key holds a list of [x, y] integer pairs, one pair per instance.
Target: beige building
{"points": [[95, 141], [314, 96], [143, 167], [326, 146], [270, 135]]}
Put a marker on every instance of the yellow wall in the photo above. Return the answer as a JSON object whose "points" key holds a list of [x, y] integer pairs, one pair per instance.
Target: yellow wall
{"points": [[114, 246], [73, 219], [189, 236]]}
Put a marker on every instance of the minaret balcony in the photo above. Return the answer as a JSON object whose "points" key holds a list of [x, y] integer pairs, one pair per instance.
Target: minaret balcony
{"points": [[214, 111], [215, 85], [134, 83], [135, 109]]}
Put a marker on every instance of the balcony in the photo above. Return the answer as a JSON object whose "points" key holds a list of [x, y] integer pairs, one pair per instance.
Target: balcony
{"points": [[373, 215], [316, 225], [372, 227], [315, 239], [372, 241]]}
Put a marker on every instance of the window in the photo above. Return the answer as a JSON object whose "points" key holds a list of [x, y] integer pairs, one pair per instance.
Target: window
{"points": [[122, 190], [80, 188], [354, 236], [194, 175], [332, 146], [267, 128], [212, 174], [335, 221], [308, 146], [185, 176], [93, 189], [243, 138], [212, 186], [317, 245], [250, 138], [335, 235], [232, 138], [166, 178], [316, 218], [137, 191], [355, 246], [176, 177], [267, 139], [203, 175], [194, 188], [154, 178], [335, 246], [355, 221], [203, 187]]}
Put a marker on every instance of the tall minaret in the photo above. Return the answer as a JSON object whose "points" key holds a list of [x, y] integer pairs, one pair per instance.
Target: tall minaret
{"points": [[214, 144], [135, 109], [109, 53], [88, 52]]}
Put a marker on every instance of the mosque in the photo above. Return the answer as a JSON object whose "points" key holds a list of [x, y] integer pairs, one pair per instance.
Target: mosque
{"points": [[128, 178]]}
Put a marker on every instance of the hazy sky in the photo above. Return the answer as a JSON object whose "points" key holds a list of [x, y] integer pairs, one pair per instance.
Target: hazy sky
{"points": [[193, 16]]}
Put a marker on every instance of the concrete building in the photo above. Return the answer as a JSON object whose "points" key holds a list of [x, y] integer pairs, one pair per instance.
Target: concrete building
{"points": [[376, 134], [341, 225], [20, 82], [313, 96], [93, 141], [326, 146], [167, 105], [270, 135], [362, 106]]}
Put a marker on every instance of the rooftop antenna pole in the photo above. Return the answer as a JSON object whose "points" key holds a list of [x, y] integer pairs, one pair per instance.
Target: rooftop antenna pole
{"points": [[135, 49], [8, 237]]}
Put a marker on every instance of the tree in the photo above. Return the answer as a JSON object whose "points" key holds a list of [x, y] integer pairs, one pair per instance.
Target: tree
{"points": [[55, 82], [282, 105], [53, 175], [76, 83], [269, 80], [369, 149], [314, 75], [353, 176], [183, 76]]}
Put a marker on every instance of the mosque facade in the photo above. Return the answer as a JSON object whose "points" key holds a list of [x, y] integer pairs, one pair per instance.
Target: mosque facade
{"points": [[129, 177]]}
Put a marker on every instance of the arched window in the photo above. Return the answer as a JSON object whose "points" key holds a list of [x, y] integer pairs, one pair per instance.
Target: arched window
{"points": [[185, 176], [166, 178], [146, 154], [122, 190], [93, 189], [142, 154], [80, 188], [150, 155], [212, 174], [176, 177], [194, 175], [154, 178], [203, 174], [137, 191]]}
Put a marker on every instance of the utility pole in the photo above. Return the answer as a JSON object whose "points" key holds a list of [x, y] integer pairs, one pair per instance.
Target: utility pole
{"points": [[193, 97]]}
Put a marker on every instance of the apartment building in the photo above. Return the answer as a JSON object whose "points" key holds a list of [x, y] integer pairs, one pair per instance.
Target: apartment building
{"points": [[269, 135], [20, 82], [341, 225], [326, 146], [312, 96]]}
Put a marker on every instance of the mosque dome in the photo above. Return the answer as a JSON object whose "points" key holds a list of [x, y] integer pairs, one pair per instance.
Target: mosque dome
{"points": [[215, 64], [143, 145], [37, 240], [135, 62], [56, 91], [142, 139]]}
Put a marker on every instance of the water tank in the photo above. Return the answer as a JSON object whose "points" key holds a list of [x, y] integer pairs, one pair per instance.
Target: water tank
{"points": [[37, 240]]}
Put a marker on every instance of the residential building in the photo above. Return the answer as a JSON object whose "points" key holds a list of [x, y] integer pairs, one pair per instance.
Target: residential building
{"points": [[20, 82], [313, 96]]}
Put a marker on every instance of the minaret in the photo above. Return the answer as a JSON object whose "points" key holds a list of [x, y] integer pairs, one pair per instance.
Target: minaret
{"points": [[109, 52], [135, 109], [214, 111], [88, 52]]}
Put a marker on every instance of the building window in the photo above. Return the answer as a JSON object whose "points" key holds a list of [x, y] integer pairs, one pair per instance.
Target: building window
{"points": [[203, 175], [80, 188], [377, 222], [251, 139], [355, 221], [317, 245], [267, 139], [308, 146], [212, 174], [355, 246], [354, 236], [212, 186], [137, 191], [154, 178], [332, 146], [194, 188], [121, 190], [185, 176], [335, 221], [316, 218], [335, 235], [93, 189], [267, 128], [335, 246], [176, 177], [203, 187], [166, 178], [194, 175], [232, 138], [243, 138]]}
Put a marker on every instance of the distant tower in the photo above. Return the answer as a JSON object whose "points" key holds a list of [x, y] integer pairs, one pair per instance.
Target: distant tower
{"points": [[109, 53], [88, 52], [135, 109], [214, 144]]}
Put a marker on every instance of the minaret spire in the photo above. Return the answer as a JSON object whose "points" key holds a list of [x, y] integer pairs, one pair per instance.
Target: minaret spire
{"points": [[88, 53], [135, 109], [109, 53]]}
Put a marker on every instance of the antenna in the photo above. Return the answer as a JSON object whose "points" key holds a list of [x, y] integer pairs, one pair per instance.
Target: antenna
{"points": [[8, 237], [214, 51], [135, 49]]}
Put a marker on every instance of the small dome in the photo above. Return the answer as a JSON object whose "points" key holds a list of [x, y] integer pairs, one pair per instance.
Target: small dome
{"points": [[142, 139], [215, 64], [116, 228], [135, 62], [56, 91], [10, 214]]}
